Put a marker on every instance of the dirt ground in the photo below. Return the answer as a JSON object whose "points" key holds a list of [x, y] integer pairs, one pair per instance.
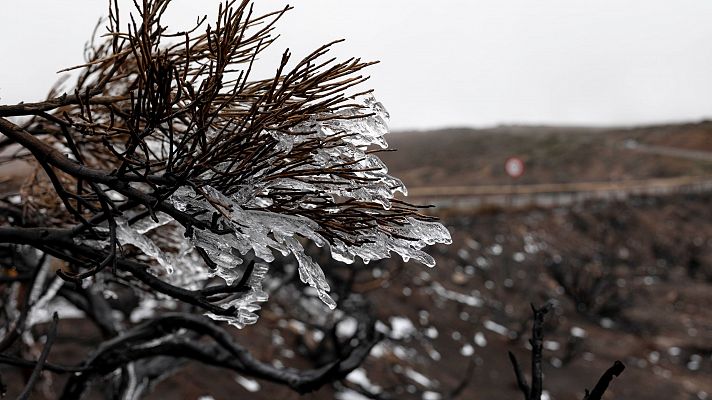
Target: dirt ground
{"points": [[630, 282]]}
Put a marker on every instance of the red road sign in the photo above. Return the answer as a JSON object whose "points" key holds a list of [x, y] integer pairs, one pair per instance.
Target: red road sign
{"points": [[514, 167]]}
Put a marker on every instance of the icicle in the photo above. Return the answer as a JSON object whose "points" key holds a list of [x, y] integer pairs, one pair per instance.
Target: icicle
{"points": [[129, 235], [246, 305], [147, 224], [310, 272]]}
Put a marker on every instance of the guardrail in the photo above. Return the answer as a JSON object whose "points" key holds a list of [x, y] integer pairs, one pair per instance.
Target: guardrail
{"points": [[554, 194]]}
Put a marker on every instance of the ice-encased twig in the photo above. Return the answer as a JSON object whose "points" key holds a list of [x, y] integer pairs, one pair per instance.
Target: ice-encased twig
{"points": [[246, 304], [130, 235], [344, 139], [263, 231]]}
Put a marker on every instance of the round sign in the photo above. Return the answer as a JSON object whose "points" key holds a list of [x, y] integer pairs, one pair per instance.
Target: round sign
{"points": [[514, 167]]}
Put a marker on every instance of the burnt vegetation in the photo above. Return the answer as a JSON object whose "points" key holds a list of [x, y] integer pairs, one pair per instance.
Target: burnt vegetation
{"points": [[146, 175], [154, 112]]}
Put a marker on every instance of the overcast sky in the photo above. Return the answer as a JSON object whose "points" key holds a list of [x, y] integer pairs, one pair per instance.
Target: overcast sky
{"points": [[446, 63]]}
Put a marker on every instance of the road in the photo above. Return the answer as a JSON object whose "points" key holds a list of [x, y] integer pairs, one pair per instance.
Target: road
{"points": [[668, 151]]}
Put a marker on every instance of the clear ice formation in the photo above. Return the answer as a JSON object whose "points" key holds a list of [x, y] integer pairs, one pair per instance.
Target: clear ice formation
{"points": [[246, 304], [126, 234], [344, 138]]}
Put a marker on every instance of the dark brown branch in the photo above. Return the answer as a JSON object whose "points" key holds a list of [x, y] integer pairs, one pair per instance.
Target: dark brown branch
{"points": [[27, 364], [51, 334], [146, 119], [606, 379], [466, 379], [21, 109], [537, 342], [57, 241], [521, 380], [94, 305], [224, 353], [17, 327], [35, 236], [45, 153]]}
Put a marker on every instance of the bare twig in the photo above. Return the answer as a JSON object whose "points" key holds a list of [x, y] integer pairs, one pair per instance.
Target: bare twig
{"points": [[537, 342], [534, 393], [147, 121], [51, 334], [466, 379], [597, 393], [521, 380]]}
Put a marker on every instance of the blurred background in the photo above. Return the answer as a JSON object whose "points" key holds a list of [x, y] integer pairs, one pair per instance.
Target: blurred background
{"points": [[563, 142]]}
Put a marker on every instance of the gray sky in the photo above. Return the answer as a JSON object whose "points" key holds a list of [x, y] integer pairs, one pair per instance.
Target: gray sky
{"points": [[446, 63]]}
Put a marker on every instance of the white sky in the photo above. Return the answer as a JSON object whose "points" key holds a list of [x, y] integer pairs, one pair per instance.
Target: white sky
{"points": [[448, 62]]}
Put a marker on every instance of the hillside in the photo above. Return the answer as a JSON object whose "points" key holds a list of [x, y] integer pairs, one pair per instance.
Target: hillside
{"points": [[552, 154]]}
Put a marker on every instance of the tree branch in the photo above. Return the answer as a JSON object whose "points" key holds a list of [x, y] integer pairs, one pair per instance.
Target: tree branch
{"points": [[537, 342], [41, 361], [521, 380], [606, 379], [225, 353]]}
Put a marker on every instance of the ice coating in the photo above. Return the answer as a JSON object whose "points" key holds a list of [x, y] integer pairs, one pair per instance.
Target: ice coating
{"points": [[130, 235], [260, 232], [251, 226], [246, 304], [146, 225], [346, 135]]}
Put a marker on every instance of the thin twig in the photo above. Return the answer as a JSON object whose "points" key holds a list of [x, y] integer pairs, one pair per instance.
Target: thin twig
{"points": [[521, 380], [606, 379], [41, 361], [537, 342]]}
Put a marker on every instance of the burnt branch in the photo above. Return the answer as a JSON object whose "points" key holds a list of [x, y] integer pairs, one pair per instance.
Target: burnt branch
{"points": [[602, 385], [165, 176], [521, 379], [39, 366], [537, 340]]}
